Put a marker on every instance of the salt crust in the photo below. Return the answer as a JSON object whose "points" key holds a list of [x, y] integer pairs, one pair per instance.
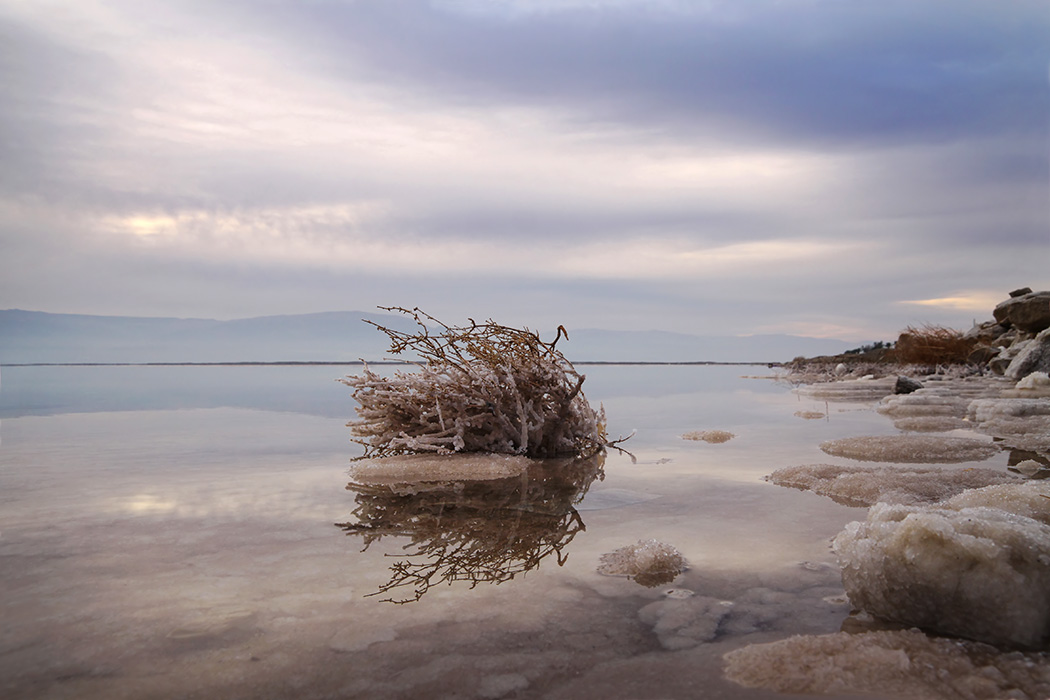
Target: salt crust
{"points": [[911, 449], [649, 562], [712, 436], [681, 623], [865, 486], [851, 390], [937, 408], [904, 663], [1034, 381], [975, 566], [406, 469], [1022, 423]]}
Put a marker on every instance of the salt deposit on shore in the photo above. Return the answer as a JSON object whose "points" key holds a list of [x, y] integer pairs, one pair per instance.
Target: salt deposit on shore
{"points": [[957, 550], [911, 449], [976, 566], [866, 486], [904, 663]]}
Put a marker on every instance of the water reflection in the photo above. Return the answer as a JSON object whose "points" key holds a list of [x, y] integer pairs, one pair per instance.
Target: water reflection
{"points": [[485, 530]]}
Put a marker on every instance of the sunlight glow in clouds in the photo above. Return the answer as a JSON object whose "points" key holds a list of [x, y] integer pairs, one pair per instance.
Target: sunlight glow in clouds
{"points": [[981, 301]]}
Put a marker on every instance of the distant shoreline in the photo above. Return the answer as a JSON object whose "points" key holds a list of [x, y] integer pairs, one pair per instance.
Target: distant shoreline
{"points": [[349, 362]]}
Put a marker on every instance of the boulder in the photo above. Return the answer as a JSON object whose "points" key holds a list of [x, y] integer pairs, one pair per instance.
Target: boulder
{"points": [[982, 355], [1027, 312], [1033, 357], [906, 385], [987, 332]]}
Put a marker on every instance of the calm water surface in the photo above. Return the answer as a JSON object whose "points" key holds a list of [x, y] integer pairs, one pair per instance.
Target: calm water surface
{"points": [[171, 532]]}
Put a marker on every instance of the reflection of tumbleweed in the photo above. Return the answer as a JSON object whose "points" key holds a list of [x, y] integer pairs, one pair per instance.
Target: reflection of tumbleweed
{"points": [[484, 530], [479, 388]]}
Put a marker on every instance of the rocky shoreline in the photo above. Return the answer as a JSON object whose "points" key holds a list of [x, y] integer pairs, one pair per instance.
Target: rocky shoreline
{"points": [[1014, 344]]}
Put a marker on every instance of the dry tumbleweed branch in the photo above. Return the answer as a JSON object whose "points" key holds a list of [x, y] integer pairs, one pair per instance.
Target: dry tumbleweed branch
{"points": [[479, 388]]}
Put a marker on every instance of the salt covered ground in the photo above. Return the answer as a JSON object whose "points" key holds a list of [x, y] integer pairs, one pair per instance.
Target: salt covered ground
{"points": [[954, 550]]}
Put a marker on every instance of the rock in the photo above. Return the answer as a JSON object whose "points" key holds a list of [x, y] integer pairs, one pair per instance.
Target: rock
{"points": [[906, 385], [1020, 292], [1027, 312], [986, 332], [1033, 357], [982, 355]]}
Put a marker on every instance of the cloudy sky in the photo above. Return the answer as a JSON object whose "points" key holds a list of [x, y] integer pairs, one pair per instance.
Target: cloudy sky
{"points": [[817, 167]]}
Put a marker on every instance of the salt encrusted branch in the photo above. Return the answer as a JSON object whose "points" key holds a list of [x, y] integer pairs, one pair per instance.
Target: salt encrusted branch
{"points": [[501, 389]]}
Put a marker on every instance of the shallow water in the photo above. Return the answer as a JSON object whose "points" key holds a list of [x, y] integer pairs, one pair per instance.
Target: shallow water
{"points": [[171, 532]]}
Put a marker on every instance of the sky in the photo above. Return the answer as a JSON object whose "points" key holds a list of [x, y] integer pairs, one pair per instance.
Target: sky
{"points": [[716, 167]]}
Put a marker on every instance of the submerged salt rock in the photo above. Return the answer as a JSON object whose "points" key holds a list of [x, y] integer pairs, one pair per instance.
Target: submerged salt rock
{"points": [[904, 663], [977, 566], [682, 623], [649, 562], [866, 486], [407, 469], [911, 449], [712, 436]]}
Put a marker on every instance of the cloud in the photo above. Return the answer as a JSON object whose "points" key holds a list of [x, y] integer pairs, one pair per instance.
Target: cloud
{"points": [[749, 166]]}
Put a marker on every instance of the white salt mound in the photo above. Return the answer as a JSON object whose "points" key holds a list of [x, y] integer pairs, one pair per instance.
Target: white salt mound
{"points": [[408, 469], [1023, 423], [712, 436], [911, 449], [905, 664], [1034, 381], [976, 566], [866, 486], [648, 562]]}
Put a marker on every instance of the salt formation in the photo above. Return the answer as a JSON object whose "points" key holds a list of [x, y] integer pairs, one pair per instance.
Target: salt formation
{"points": [[861, 390], [711, 436], [414, 469], [1020, 423], [903, 663], [481, 388], [975, 566], [681, 623], [866, 486], [940, 406], [649, 562], [1036, 381], [910, 449]]}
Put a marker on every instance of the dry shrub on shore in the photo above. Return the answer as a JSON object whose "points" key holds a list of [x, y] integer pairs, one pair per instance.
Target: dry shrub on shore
{"points": [[932, 345], [480, 388]]}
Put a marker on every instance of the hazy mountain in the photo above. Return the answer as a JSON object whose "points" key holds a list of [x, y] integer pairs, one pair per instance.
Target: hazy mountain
{"points": [[339, 336]]}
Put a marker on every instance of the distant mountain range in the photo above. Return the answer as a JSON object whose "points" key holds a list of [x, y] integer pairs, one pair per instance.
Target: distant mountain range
{"points": [[28, 337]]}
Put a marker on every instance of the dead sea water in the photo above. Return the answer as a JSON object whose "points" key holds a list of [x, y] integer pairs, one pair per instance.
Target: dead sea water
{"points": [[172, 532]]}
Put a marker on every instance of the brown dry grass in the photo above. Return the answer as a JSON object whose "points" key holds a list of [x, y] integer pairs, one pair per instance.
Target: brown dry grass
{"points": [[932, 345]]}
